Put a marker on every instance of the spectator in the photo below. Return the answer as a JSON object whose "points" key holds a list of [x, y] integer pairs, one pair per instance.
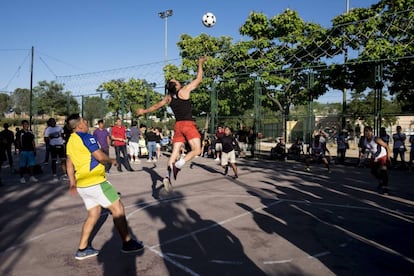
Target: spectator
{"points": [[54, 137], [27, 149], [317, 154], [241, 136], [118, 135], [103, 138], [135, 132], [7, 139], [228, 155], [399, 146], [47, 145], [251, 142], [217, 142]]}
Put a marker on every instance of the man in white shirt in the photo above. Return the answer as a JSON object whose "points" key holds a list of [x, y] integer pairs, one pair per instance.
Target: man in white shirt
{"points": [[54, 136]]}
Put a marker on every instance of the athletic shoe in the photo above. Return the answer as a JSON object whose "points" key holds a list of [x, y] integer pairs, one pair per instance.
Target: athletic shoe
{"points": [[33, 179], [235, 176], [167, 184], [149, 161], [55, 179], [137, 161], [132, 246], [175, 171], [64, 177], [87, 253], [307, 169], [22, 180]]}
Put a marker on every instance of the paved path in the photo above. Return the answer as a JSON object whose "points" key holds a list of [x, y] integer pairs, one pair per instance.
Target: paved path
{"points": [[275, 219]]}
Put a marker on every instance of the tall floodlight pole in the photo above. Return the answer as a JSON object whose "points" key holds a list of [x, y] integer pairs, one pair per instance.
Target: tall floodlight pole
{"points": [[164, 15]]}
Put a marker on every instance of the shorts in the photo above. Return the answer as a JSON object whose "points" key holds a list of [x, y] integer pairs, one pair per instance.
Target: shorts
{"points": [[27, 159], [133, 148], [227, 157], [158, 145], [218, 147], [58, 150], [185, 131], [103, 194], [382, 161]]}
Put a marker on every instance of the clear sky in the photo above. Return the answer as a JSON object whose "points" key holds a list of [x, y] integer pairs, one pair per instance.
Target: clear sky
{"points": [[73, 37]]}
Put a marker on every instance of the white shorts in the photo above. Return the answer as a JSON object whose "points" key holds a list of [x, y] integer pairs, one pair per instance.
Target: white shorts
{"points": [[158, 145], [219, 147], [103, 194], [133, 148], [227, 157]]}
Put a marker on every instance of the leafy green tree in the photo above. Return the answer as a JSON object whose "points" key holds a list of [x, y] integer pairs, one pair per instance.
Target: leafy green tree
{"points": [[94, 108], [361, 107], [21, 100], [126, 97], [53, 100], [382, 35], [5, 103]]}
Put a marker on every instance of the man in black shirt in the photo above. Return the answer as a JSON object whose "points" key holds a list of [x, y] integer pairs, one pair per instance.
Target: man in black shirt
{"points": [[185, 130], [27, 150], [228, 155]]}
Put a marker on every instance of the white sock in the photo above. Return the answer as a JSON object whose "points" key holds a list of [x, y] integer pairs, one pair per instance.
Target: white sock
{"points": [[180, 163]]}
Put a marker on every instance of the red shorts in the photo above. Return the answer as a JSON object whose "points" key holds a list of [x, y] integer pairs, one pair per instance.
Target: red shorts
{"points": [[185, 131], [380, 161]]}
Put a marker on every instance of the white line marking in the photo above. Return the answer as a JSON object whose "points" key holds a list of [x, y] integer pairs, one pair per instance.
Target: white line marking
{"points": [[179, 256], [226, 262], [315, 256], [278, 262], [177, 264]]}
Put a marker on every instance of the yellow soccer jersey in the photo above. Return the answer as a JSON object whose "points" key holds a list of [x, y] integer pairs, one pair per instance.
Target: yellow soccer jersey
{"points": [[88, 170]]}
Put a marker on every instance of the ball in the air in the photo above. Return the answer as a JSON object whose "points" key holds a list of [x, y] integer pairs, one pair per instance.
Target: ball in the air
{"points": [[209, 19]]}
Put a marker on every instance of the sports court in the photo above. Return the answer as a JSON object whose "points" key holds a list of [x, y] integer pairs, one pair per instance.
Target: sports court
{"points": [[275, 219]]}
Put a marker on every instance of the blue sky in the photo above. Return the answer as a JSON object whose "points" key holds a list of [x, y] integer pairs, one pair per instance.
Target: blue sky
{"points": [[73, 37]]}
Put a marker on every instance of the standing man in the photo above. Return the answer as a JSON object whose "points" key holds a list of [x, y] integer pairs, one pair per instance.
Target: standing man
{"points": [[134, 143], [380, 155], [241, 136], [103, 138], [7, 139], [411, 151], [47, 145], [27, 149], [228, 154], [118, 135], [178, 97], [54, 137], [399, 146], [218, 145], [87, 177]]}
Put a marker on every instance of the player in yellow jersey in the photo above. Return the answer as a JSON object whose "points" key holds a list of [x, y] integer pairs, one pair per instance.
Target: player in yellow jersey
{"points": [[87, 178]]}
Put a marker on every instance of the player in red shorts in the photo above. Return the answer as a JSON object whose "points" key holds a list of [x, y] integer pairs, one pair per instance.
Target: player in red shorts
{"points": [[185, 130], [380, 155]]}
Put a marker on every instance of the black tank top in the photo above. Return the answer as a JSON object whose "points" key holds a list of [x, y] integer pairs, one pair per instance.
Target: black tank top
{"points": [[182, 109]]}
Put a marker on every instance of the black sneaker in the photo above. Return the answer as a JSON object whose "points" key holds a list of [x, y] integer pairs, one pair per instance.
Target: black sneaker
{"points": [[132, 246], [226, 170], [175, 171]]}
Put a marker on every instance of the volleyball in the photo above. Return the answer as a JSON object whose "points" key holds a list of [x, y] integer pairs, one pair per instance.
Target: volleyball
{"points": [[209, 19]]}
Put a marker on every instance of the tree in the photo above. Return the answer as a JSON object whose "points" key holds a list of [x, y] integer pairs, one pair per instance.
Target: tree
{"points": [[126, 97], [361, 107], [382, 35], [20, 100], [5, 103], [51, 99], [94, 108]]}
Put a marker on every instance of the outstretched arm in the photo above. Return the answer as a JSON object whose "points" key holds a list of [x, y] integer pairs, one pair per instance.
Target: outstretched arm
{"points": [[166, 100], [184, 92]]}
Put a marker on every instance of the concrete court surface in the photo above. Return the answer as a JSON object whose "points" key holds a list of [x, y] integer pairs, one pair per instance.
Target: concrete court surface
{"points": [[275, 219]]}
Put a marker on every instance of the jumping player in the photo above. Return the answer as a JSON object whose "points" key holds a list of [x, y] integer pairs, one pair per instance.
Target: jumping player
{"points": [[178, 97]]}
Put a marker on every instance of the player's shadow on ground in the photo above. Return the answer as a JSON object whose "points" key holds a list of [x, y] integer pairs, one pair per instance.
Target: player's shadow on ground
{"points": [[205, 167], [114, 261], [155, 179], [199, 246]]}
